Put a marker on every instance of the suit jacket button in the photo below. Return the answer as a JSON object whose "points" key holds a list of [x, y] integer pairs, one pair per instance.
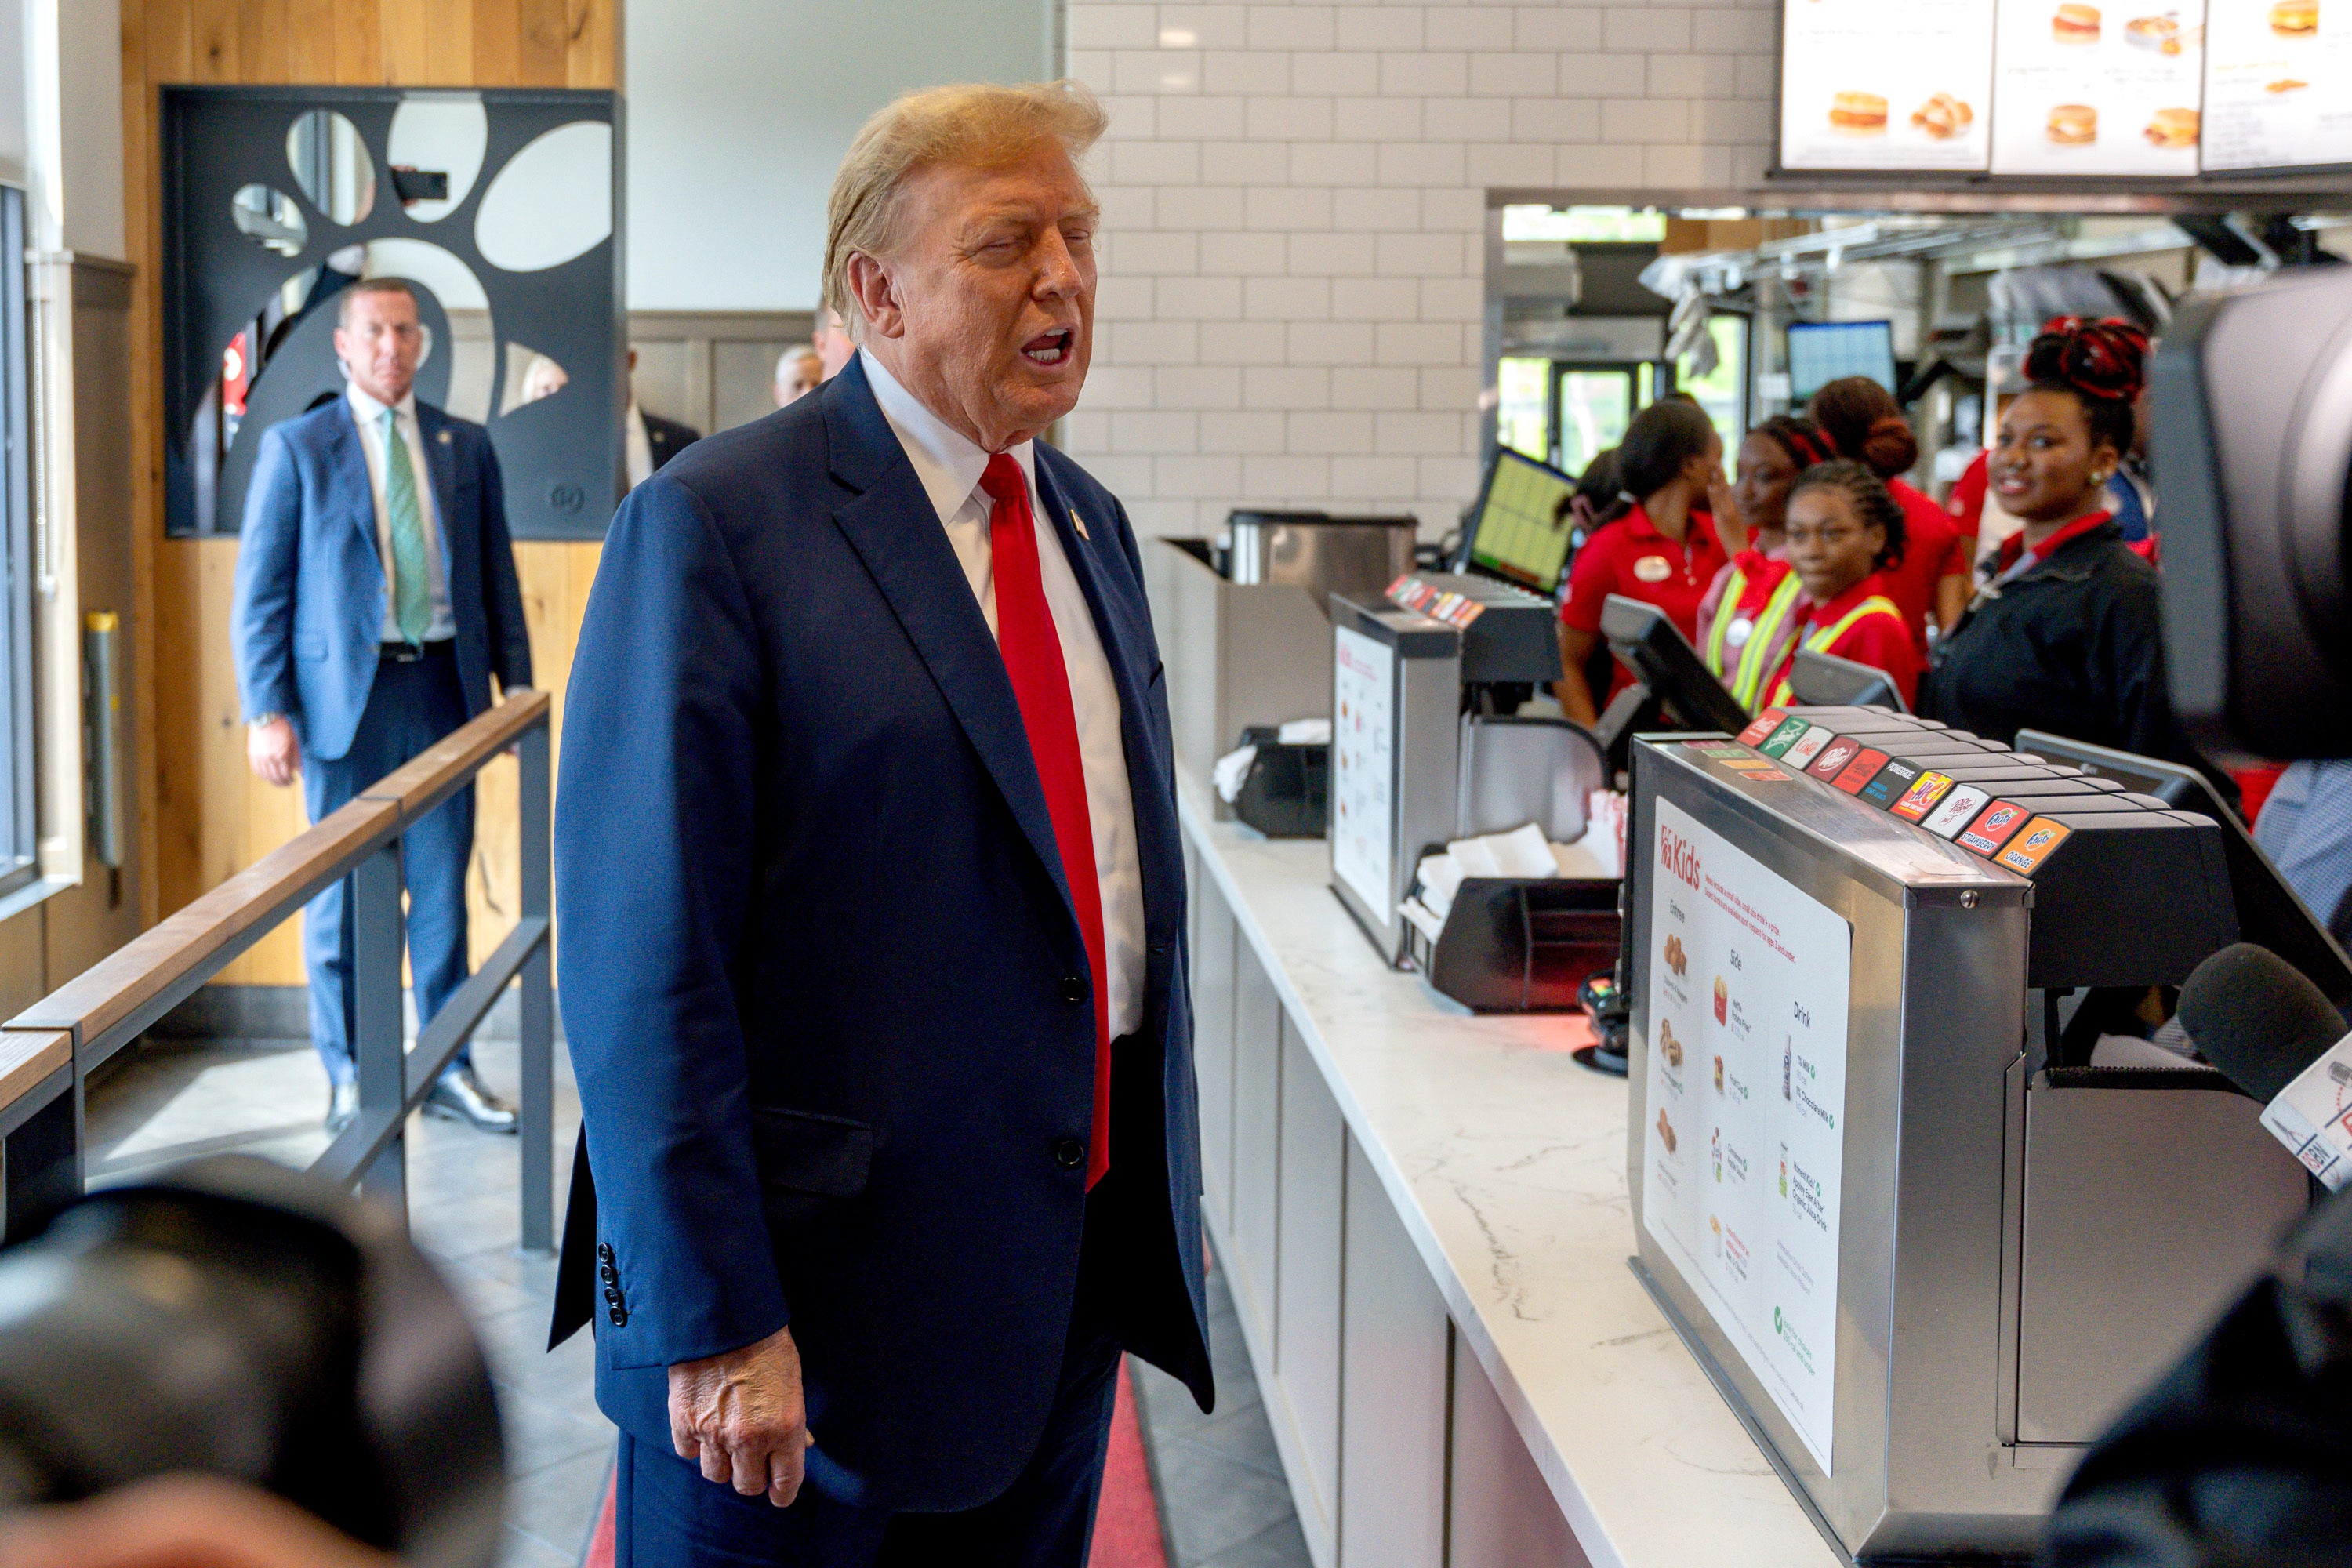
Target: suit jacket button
{"points": [[603, 1252], [1069, 1153], [612, 1297], [1074, 990], [611, 1274], [618, 1317]]}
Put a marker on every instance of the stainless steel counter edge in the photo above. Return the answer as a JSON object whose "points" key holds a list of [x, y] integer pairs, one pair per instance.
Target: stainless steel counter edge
{"points": [[1648, 1464]]}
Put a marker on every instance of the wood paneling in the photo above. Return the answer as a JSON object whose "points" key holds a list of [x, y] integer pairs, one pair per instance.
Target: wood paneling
{"points": [[209, 815]]}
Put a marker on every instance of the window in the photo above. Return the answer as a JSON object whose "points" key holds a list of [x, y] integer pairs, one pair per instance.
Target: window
{"points": [[1722, 391], [1522, 409], [17, 827]]}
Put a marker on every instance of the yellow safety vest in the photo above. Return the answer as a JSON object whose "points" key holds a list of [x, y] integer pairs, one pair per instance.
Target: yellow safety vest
{"points": [[1823, 638], [1747, 672]]}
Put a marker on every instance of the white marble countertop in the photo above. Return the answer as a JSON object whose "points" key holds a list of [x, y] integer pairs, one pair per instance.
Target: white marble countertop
{"points": [[1507, 1162]]}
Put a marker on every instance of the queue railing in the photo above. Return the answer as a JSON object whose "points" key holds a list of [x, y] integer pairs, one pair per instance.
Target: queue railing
{"points": [[48, 1051]]}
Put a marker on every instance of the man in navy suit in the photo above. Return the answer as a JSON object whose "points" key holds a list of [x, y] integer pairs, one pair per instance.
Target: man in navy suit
{"points": [[375, 597], [873, 914]]}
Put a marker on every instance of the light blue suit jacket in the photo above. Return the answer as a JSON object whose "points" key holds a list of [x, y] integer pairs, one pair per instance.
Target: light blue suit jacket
{"points": [[308, 614]]}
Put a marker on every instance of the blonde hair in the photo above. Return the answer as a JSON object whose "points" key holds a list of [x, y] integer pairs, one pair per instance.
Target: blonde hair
{"points": [[975, 125]]}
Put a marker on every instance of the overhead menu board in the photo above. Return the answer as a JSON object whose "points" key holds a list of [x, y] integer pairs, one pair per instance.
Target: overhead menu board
{"points": [[2056, 89], [2103, 88], [2278, 84], [1869, 85]]}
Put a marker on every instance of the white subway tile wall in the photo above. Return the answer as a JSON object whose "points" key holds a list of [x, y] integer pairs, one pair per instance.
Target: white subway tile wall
{"points": [[1295, 203]]}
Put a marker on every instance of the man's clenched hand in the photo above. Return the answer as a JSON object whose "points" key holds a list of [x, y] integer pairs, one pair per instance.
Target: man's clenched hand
{"points": [[740, 1415]]}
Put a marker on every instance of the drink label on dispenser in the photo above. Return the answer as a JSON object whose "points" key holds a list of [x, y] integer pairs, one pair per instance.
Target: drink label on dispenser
{"points": [[1890, 782], [1959, 808], [1786, 736], [1809, 746], [2033, 844], [1833, 758], [1921, 797], [1987, 832], [1765, 724], [1856, 775]]}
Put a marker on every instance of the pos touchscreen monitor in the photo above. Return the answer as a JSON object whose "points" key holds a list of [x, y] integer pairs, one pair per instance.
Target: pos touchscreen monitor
{"points": [[1519, 532], [1823, 351], [1664, 661]]}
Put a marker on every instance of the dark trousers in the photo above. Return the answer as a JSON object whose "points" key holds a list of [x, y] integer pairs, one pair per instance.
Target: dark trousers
{"points": [[667, 1515], [409, 707]]}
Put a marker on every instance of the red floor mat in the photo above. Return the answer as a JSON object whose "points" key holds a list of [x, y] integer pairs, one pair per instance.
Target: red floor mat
{"points": [[1127, 1524]]}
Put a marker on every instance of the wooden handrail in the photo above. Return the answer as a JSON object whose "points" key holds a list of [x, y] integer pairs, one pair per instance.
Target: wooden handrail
{"points": [[449, 763], [120, 984]]}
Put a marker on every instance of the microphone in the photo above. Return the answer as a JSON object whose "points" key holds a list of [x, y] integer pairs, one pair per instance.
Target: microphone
{"points": [[2273, 1035], [2254, 1016]]}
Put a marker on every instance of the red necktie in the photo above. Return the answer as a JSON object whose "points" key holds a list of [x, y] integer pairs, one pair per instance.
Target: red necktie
{"points": [[1041, 684]]}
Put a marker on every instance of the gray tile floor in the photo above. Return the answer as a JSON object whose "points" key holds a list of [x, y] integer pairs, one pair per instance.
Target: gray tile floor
{"points": [[1222, 1496], [1221, 1486]]}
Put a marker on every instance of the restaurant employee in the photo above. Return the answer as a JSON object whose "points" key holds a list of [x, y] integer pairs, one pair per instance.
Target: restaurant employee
{"points": [[1748, 618], [2066, 636], [1845, 535], [1654, 544]]}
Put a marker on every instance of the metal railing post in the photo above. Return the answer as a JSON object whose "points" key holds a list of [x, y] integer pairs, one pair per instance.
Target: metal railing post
{"points": [[537, 1043], [378, 1043]]}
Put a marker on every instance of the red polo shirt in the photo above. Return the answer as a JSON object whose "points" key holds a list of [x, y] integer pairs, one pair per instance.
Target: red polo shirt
{"points": [[1630, 557], [1932, 552], [1877, 640]]}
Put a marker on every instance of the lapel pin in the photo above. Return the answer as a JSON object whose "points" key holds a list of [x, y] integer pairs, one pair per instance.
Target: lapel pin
{"points": [[1081, 523], [444, 438]]}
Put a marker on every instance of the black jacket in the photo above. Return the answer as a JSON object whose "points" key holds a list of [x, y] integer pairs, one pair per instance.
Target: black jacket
{"points": [[666, 438], [2075, 647]]}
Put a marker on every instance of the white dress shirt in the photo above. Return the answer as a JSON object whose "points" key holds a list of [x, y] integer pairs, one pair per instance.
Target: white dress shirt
{"points": [[369, 413], [949, 465]]}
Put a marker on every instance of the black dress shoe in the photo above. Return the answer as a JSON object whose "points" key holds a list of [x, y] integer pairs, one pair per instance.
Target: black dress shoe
{"points": [[461, 1097], [342, 1105]]}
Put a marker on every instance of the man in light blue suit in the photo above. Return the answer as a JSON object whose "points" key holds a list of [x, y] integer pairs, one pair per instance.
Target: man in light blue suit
{"points": [[376, 598]]}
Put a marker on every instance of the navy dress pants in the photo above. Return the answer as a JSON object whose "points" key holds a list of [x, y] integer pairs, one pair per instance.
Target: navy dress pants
{"points": [[666, 1516], [409, 707]]}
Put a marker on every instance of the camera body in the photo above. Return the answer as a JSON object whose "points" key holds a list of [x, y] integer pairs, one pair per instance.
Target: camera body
{"points": [[2252, 394]]}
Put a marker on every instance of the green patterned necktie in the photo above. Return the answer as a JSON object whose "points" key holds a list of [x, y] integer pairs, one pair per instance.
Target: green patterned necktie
{"points": [[412, 593]]}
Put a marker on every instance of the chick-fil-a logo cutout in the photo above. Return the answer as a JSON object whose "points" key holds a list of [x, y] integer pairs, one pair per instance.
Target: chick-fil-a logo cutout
{"points": [[1679, 856]]}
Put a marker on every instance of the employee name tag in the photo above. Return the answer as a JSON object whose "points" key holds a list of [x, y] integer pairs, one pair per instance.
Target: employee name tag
{"points": [[2313, 1116], [1653, 569]]}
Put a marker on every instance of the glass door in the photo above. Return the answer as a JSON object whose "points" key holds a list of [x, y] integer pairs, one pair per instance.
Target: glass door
{"points": [[1592, 405]]}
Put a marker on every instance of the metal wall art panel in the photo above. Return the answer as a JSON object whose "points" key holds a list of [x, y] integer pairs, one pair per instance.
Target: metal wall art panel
{"points": [[502, 207]]}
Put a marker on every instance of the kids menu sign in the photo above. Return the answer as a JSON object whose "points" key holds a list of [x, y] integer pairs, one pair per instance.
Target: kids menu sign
{"points": [[1745, 1156], [2057, 88]]}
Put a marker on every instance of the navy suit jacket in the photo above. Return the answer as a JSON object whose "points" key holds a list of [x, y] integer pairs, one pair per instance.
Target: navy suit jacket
{"points": [[307, 612], [817, 958]]}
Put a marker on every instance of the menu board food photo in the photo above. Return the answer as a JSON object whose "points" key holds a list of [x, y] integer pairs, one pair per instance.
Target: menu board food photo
{"points": [[2108, 89], [2053, 89], [1869, 86], [2278, 84]]}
